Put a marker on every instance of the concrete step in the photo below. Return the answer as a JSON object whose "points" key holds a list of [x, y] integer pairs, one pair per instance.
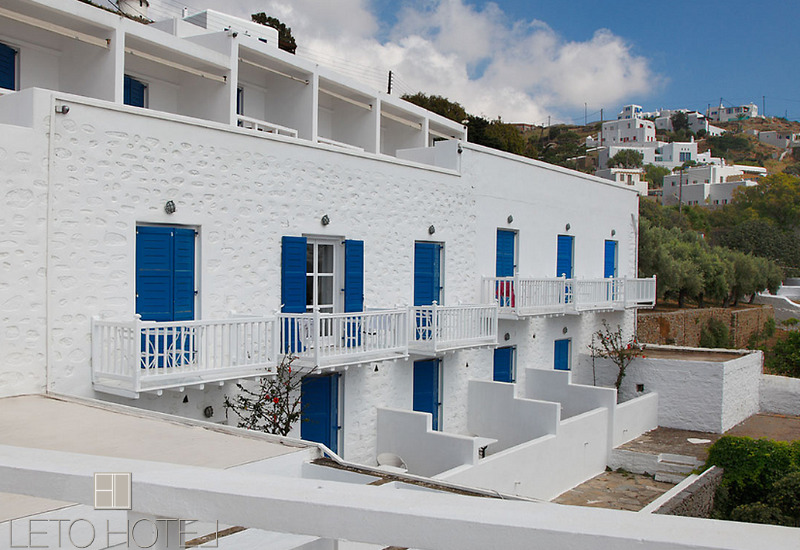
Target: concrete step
{"points": [[670, 477]]}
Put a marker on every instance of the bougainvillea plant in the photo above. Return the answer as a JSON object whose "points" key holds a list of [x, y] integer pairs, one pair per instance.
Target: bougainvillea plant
{"points": [[273, 406], [613, 345]]}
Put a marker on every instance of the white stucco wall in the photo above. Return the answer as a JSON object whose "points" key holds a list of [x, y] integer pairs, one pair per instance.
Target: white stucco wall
{"points": [[693, 395], [779, 395], [114, 167]]}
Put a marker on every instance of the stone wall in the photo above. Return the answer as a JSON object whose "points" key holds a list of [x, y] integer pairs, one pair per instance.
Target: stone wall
{"points": [[682, 327], [696, 500]]}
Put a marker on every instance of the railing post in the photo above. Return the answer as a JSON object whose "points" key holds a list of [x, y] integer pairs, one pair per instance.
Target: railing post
{"points": [[95, 348], [315, 336], [137, 355], [276, 337], [434, 324]]}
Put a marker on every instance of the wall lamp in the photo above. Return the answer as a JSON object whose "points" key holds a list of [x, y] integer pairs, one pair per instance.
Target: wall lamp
{"points": [[567, 227], [325, 220], [431, 230], [510, 218], [169, 208], [62, 109], [613, 232]]}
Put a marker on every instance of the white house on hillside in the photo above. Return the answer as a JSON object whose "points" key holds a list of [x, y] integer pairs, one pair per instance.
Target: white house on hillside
{"points": [[708, 185], [726, 114], [697, 122], [631, 177]]}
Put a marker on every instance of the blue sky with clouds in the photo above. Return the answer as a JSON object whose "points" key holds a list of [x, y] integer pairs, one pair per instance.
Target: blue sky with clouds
{"points": [[526, 60]]}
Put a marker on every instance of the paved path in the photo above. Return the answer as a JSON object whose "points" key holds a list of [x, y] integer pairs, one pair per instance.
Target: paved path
{"points": [[616, 490]]}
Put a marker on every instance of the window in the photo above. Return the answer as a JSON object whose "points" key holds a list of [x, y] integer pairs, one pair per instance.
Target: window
{"points": [[134, 92], [428, 273], [321, 275], [165, 258], [8, 67], [684, 156]]}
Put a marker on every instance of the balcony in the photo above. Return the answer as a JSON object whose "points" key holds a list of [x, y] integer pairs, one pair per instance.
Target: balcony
{"points": [[337, 339], [521, 297], [518, 297], [436, 329], [129, 357], [264, 126]]}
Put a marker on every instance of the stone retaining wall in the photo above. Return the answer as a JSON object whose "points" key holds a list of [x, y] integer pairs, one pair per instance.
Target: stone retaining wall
{"points": [[682, 327], [696, 500]]}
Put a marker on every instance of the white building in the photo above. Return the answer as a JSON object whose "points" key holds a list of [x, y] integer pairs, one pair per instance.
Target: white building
{"points": [[631, 177], [709, 185], [670, 155], [726, 114], [185, 204], [697, 122], [779, 139]]}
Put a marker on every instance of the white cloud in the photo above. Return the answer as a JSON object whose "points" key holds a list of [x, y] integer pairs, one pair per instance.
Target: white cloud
{"points": [[520, 70]]}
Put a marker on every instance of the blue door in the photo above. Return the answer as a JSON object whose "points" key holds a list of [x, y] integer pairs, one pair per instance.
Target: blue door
{"points": [[426, 389], [165, 273], [504, 364], [427, 273], [134, 92], [8, 67], [561, 354], [564, 256], [610, 259], [505, 253], [319, 397]]}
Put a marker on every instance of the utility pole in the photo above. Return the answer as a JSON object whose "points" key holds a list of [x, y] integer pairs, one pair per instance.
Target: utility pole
{"points": [[585, 122], [389, 91], [763, 105], [680, 191], [601, 127]]}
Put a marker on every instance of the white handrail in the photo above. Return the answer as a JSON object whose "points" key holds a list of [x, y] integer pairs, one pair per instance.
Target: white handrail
{"points": [[264, 126], [440, 328]]}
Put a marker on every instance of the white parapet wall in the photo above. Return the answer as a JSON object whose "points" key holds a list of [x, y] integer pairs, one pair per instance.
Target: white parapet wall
{"points": [[698, 389], [425, 451], [782, 304], [545, 467], [635, 417], [495, 413], [780, 395]]}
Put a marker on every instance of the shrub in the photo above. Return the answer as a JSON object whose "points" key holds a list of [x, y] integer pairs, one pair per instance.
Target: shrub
{"points": [[758, 512], [753, 469], [786, 497], [784, 358], [715, 334]]}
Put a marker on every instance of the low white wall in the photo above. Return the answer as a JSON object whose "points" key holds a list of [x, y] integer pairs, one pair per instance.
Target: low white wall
{"points": [[790, 290], [495, 412], [695, 395], [779, 395], [635, 417], [546, 467], [575, 399], [426, 452]]}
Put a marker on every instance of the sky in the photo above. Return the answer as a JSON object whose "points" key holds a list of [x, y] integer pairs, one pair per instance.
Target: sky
{"points": [[533, 61]]}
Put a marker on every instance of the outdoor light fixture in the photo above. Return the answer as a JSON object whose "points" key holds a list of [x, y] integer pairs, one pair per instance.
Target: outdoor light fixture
{"points": [[169, 208], [564, 330], [325, 220], [613, 232], [507, 337], [510, 218], [208, 412], [62, 109], [431, 230], [568, 226], [376, 368], [460, 150]]}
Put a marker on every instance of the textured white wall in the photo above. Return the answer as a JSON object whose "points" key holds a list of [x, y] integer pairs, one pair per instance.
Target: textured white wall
{"points": [[740, 390], [780, 395], [114, 168]]}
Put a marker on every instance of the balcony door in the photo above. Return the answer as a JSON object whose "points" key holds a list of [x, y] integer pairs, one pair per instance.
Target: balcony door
{"points": [[610, 259], [561, 354], [319, 396]]}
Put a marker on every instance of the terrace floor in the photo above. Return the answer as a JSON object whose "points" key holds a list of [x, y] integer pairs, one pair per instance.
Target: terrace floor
{"points": [[627, 491]]}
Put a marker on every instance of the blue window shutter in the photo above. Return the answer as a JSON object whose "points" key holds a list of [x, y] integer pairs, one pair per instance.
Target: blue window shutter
{"points": [[319, 396], [561, 354], [133, 92], [504, 364], [564, 256], [427, 273], [610, 263], [426, 389], [8, 67], [183, 270], [154, 273], [353, 276], [505, 253], [293, 274]]}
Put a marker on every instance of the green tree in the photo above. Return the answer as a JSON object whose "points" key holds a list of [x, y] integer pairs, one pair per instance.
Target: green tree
{"points": [[775, 198], [626, 158], [784, 358], [786, 498], [655, 175], [680, 121], [439, 105], [285, 39]]}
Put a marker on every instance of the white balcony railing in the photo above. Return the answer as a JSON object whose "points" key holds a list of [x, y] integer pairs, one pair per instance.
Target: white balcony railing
{"points": [[264, 126], [129, 357], [640, 292], [333, 339], [526, 297], [523, 297], [596, 294], [438, 328], [340, 144]]}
